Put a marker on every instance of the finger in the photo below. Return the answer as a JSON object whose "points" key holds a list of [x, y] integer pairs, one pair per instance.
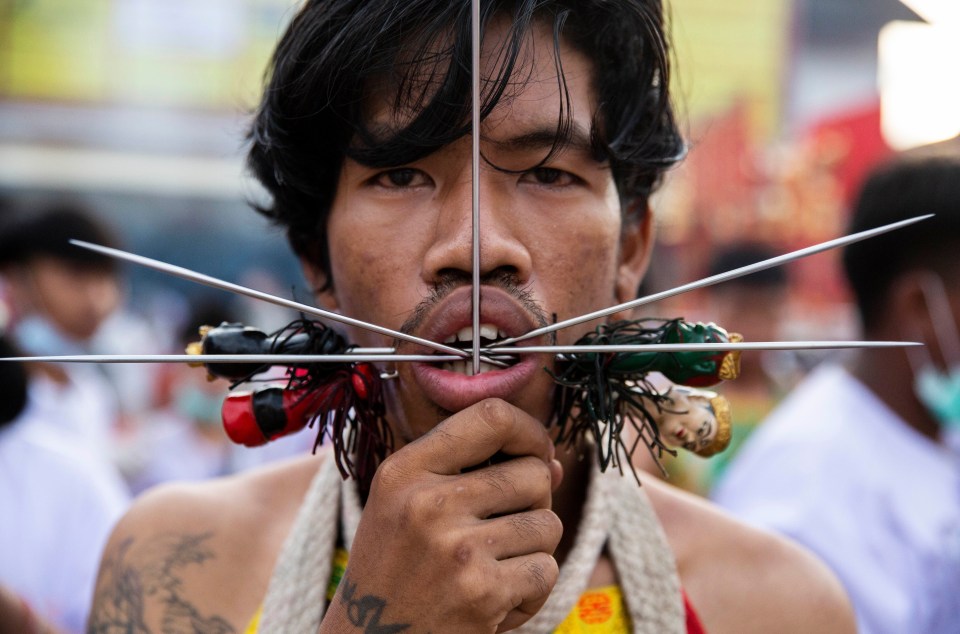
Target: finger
{"points": [[531, 579], [473, 435], [520, 534], [515, 485]]}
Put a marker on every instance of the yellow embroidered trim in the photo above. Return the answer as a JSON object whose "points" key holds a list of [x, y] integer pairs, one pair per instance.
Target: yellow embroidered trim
{"points": [[254, 622], [599, 611], [340, 557]]}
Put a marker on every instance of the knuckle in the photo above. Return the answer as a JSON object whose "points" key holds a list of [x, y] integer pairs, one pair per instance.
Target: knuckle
{"points": [[461, 551], [445, 435], [496, 477], [540, 524], [543, 572], [553, 526], [477, 595], [497, 415], [423, 506], [393, 473]]}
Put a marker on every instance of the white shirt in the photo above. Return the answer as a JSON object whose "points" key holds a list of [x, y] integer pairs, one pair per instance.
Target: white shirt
{"points": [[83, 407], [58, 505], [838, 471]]}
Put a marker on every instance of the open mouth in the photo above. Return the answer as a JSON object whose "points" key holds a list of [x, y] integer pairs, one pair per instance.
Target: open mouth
{"points": [[463, 339]]}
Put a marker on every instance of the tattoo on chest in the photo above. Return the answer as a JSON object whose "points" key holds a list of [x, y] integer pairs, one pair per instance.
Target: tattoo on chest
{"points": [[365, 611], [124, 588]]}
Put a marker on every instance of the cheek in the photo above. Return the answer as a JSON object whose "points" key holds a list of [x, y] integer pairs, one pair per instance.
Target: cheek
{"points": [[59, 297], [371, 274], [583, 270]]}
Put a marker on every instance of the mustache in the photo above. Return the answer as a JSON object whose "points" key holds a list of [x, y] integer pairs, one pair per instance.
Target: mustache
{"points": [[452, 280]]}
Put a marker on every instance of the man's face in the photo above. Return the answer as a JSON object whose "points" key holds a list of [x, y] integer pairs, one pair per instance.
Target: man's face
{"points": [[551, 244], [75, 299]]}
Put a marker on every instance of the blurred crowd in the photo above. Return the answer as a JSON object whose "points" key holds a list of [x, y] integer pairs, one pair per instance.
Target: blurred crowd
{"points": [[854, 455], [78, 441]]}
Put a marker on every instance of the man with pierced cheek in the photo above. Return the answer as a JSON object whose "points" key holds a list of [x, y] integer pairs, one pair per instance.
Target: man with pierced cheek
{"points": [[476, 521]]}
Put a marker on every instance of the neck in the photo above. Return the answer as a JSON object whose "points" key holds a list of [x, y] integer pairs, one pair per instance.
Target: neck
{"points": [[887, 373], [569, 498]]}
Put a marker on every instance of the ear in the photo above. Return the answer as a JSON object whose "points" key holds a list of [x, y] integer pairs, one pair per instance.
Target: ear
{"points": [[317, 278], [907, 314], [636, 247], [914, 305]]}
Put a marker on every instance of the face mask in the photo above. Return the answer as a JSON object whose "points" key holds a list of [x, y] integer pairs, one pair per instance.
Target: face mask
{"points": [[36, 335], [939, 391], [200, 407]]}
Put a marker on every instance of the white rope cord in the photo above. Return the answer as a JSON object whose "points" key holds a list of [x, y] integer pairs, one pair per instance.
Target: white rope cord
{"points": [[618, 510], [297, 595], [615, 509], [643, 559], [579, 563]]}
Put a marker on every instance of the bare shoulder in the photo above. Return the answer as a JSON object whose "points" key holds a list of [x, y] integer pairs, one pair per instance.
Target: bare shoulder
{"points": [[198, 557], [743, 579]]}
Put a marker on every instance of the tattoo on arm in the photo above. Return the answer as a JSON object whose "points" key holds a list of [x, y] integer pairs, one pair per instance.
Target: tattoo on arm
{"points": [[366, 611], [123, 589]]}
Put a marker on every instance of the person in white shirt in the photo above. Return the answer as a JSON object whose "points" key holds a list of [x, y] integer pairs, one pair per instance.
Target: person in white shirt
{"points": [[59, 295], [860, 463], [59, 503]]}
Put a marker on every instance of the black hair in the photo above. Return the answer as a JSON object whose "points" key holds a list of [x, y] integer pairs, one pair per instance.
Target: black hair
{"points": [[47, 231], [311, 115], [13, 384], [921, 181], [739, 254]]}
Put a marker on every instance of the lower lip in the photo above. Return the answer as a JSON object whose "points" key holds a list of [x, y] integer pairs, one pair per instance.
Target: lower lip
{"points": [[453, 391]]}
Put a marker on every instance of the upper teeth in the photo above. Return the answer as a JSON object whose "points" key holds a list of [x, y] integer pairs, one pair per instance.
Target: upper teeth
{"points": [[487, 331]]}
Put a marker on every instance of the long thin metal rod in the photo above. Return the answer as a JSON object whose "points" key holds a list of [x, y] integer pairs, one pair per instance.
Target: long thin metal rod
{"points": [[299, 359], [716, 279], [272, 359], [475, 180], [207, 280], [700, 347]]}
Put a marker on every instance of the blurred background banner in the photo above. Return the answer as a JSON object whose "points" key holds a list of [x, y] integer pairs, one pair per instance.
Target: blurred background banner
{"points": [[139, 108], [179, 53]]}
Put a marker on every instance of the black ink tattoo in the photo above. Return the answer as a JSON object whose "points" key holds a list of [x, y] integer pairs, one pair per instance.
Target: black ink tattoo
{"points": [[123, 589], [366, 611]]}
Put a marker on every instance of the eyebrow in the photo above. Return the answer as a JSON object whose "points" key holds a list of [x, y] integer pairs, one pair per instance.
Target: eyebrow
{"points": [[544, 138]]}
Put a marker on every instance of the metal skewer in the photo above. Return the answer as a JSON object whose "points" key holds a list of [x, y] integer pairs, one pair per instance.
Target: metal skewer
{"points": [[475, 184], [715, 279], [300, 359], [264, 359], [699, 347], [207, 280]]}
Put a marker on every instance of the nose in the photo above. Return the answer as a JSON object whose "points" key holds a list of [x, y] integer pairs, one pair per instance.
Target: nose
{"points": [[503, 248], [102, 294]]}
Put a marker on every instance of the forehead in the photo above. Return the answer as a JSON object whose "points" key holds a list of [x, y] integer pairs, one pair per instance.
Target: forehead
{"points": [[535, 88]]}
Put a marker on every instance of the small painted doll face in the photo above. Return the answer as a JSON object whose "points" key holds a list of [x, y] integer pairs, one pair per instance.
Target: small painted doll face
{"points": [[689, 421]]}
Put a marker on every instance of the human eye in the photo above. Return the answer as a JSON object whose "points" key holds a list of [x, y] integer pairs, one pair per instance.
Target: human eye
{"points": [[399, 178], [704, 429], [549, 177]]}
